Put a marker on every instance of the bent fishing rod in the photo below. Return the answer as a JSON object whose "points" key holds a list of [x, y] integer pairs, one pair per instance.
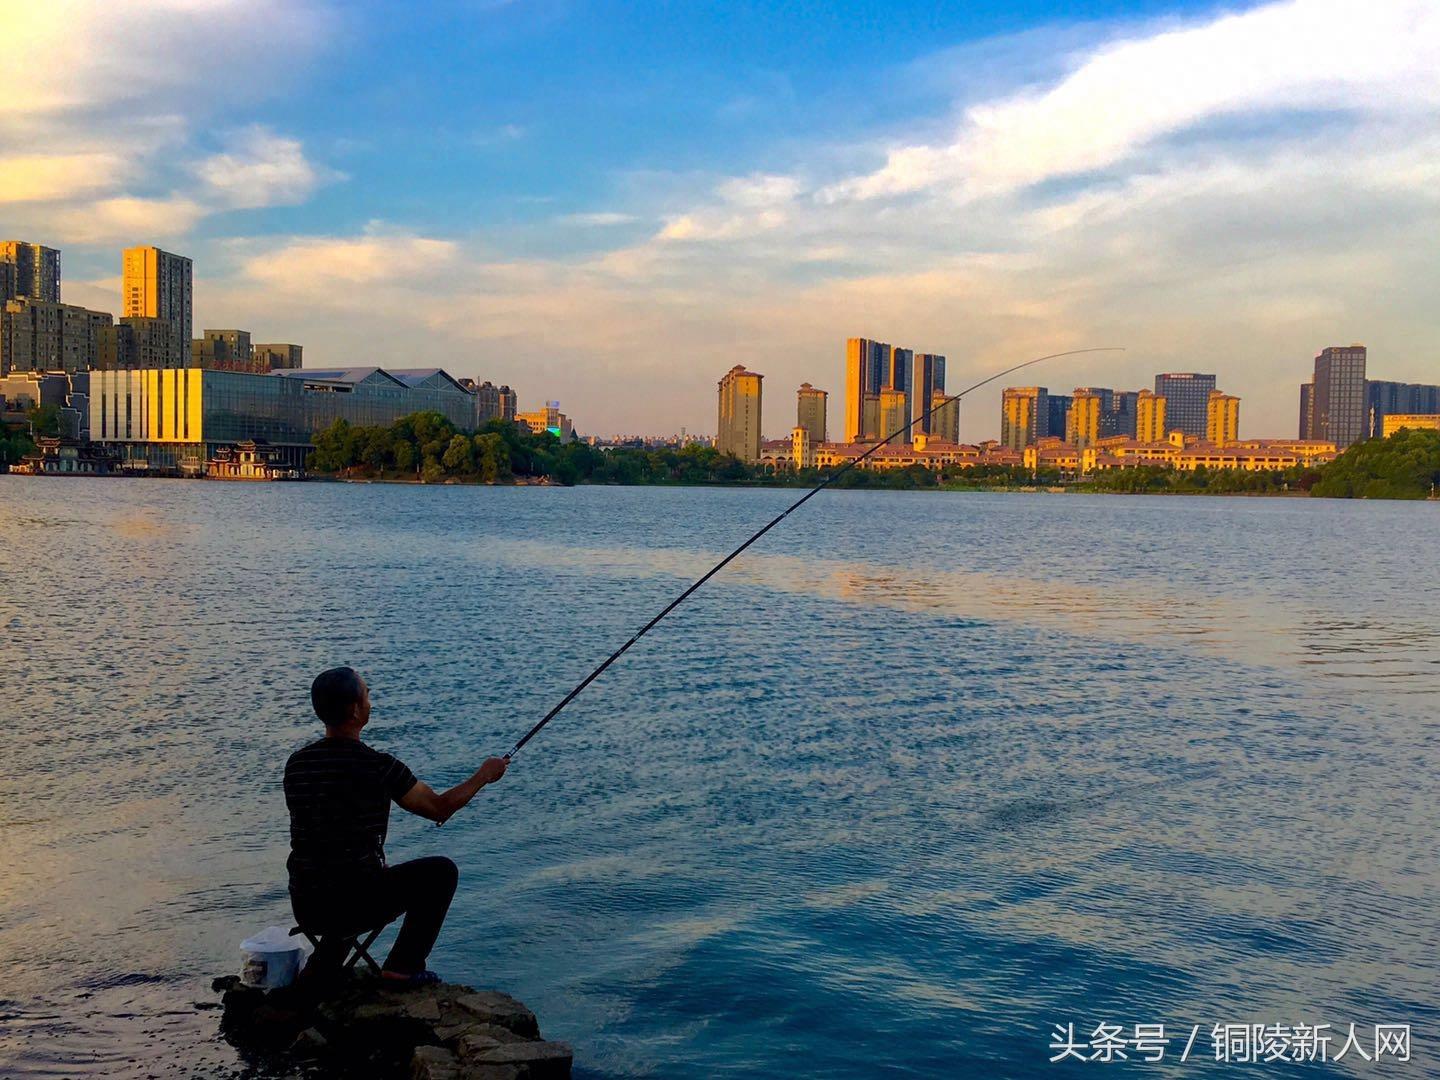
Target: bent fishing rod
{"points": [[821, 486]]}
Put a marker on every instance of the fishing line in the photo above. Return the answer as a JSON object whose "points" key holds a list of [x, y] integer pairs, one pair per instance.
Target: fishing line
{"points": [[821, 486]]}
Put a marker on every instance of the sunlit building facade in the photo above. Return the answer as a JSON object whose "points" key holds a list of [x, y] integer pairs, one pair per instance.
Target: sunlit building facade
{"points": [[1082, 422], [738, 429], [157, 284], [1415, 421], [1149, 417], [1024, 416], [866, 365], [175, 419], [29, 272], [1222, 421]]}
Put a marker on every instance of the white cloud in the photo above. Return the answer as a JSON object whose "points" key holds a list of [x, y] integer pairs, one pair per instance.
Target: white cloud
{"points": [[125, 220], [261, 168], [1300, 55], [48, 177], [327, 268], [103, 99]]}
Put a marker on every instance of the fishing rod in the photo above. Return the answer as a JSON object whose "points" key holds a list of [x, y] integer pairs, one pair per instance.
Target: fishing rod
{"points": [[821, 486]]}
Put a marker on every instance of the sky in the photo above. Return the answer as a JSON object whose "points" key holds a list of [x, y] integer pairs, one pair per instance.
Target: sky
{"points": [[612, 204]]}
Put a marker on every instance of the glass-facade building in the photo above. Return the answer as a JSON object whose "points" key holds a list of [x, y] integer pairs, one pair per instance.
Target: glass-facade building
{"points": [[1187, 400], [1383, 398], [176, 418]]}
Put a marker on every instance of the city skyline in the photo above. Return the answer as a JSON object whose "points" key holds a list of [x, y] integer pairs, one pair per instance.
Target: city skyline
{"points": [[961, 178]]}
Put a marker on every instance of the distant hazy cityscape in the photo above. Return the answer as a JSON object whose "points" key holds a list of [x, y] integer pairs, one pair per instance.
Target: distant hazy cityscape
{"points": [[142, 395], [1185, 422]]}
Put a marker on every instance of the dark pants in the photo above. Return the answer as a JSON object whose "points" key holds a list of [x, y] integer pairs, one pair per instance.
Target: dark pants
{"points": [[420, 890]]}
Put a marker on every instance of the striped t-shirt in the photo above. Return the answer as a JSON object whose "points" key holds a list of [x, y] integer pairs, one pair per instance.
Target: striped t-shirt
{"points": [[339, 793]]}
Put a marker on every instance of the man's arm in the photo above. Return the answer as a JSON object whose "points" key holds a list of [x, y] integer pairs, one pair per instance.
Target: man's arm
{"points": [[422, 799]]}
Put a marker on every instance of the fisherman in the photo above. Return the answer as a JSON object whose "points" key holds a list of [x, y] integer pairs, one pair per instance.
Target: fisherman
{"points": [[338, 791]]}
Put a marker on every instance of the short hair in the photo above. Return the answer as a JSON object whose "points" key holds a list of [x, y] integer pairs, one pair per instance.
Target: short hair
{"points": [[333, 692]]}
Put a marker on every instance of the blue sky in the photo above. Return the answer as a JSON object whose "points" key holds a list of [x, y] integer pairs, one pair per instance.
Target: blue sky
{"points": [[612, 204]]}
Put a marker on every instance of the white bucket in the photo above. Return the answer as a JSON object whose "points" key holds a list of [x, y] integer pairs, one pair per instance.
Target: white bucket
{"points": [[272, 958]]}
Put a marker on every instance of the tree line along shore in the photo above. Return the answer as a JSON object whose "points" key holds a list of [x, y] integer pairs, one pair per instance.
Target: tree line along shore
{"points": [[426, 447]]}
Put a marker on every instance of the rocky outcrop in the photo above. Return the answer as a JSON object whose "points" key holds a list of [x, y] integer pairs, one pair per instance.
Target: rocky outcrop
{"points": [[359, 1027]]}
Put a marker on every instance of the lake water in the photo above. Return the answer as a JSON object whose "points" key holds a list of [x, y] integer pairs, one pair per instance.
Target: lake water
{"points": [[922, 776]]}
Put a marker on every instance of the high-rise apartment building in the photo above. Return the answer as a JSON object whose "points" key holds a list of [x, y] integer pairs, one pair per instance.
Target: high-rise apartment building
{"points": [[1187, 400], [927, 378], [866, 365], [276, 356], [38, 335], [158, 285], [1082, 422], [1120, 417], [1339, 395], [1057, 407], [1222, 421], [34, 273], [1149, 417], [154, 343], [1024, 416], [894, 414], [811, 406], [1307, 410], [945, 419], [738, 430]]}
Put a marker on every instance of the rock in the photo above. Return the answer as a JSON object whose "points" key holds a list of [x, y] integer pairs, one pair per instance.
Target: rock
{"points": [[434, 1063], [422, 1008], [532, 1060], [351, 1025], [309, 1043], [493, 1032], [493, 1007]]}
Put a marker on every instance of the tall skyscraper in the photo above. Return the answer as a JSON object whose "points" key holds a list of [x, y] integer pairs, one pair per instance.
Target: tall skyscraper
{"points": [[1057, 407], [158, 285], [810, 410], [927, 378], [866, 363], [1222, 421], [897, 377], [1024, 415], [738, 431], [1082, 423], [35, 274], [1120, 418], [1339, 394], [1149, 417], [1187, 399], [1307, 410]]}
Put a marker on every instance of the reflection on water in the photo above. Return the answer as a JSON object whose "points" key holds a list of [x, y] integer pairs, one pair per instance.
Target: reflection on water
{"points": [[914, 780]]}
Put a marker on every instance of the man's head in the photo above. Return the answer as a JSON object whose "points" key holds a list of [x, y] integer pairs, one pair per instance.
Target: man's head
{"points": [[341, 699]]}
